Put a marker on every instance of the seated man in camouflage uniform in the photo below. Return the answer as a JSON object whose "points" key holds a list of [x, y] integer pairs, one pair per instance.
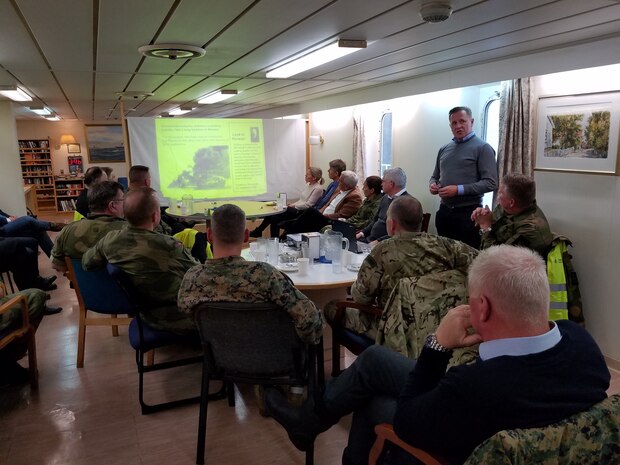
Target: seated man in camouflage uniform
{"points": [[154, 262], [516, 220], [105, 201], [525, 376], [228, 277], [407, 253], [12, 373]]}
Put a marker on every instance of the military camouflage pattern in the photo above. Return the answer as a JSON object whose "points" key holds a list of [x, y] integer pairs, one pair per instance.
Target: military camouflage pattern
{"points": [[366, 212], [155, 264], [232, 279], [527, 229], [163, 228], [591, 437], [414, 310], [79, 236], [408, 254], [36, 305]]}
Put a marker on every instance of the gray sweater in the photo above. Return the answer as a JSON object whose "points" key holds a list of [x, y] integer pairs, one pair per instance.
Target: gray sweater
{"points": [[471, 164]]}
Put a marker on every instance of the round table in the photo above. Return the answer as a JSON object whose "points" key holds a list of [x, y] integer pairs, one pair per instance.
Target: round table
{"points": [[252, 209]]}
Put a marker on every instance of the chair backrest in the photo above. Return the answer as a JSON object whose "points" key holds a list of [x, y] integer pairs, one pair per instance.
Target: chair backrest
{"points": [[251, 339], [123, 181], [587, 438], [96, 290], [426, 219]]}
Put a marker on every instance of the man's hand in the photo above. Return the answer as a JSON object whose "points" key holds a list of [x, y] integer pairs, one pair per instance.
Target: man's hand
{"points": [[483, 217], [433, 188], [12, 217], [359, 235], [448, 191], [452, 330]]}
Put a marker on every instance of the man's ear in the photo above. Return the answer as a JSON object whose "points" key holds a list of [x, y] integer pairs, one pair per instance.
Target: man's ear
{"points": [[390, 225], [486, 308], [246, 235], [210, 235]]}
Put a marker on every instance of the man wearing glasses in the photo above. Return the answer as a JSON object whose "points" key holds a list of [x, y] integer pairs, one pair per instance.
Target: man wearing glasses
{"points": [[105, 201]]}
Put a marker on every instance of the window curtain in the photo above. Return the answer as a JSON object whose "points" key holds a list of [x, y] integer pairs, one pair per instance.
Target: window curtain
{"points": [[359, 150], [515, 150]]}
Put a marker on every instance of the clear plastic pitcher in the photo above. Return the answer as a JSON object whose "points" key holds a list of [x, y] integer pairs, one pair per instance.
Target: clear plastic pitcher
{"points": [[334, 244]]}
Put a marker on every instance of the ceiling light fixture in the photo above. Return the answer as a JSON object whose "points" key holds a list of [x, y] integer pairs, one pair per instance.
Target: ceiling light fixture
{"points": [[180, 110], [40, 110], [316, 58], [218, 96], [15, 93], [172, 51], [53, 117]]}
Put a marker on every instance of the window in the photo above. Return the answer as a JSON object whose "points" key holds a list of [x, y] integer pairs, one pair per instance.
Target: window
{"points": [[385, 150], [490, 133]]}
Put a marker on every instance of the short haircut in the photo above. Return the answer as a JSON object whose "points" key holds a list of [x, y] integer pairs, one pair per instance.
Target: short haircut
{"points": [[457, 109], [338, 164], [349, 179], [317, 173], [515, 279], [407, 211], [101, 194], [139, 205], [138, 173], [374, 184], [521, 188], [397, 176], [228, 224], [92, 175]]}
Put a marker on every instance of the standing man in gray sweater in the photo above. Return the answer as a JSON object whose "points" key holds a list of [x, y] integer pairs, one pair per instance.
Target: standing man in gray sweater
{"points": [[465, 170]]}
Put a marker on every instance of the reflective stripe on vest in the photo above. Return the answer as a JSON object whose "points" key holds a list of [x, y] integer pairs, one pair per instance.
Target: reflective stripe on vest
{"points": [[558, 297]]}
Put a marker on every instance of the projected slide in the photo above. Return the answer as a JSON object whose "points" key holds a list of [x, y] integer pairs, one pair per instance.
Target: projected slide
{"points": [[211, 158]]}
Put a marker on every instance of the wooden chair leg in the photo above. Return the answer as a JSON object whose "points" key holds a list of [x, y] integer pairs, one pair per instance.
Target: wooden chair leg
{"points": [[81, 339], [114, 328]]}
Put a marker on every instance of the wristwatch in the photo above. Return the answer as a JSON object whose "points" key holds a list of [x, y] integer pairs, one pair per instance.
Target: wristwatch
{"points": [[431, 343], [485, 230]]}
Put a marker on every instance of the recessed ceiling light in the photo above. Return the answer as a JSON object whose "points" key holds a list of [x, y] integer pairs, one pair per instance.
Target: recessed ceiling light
{"points": [[218, 96], [172, 51], [180, 110], [15, 93], [40, 110]]}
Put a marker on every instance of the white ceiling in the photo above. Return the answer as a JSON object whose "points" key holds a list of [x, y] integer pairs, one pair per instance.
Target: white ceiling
{"points": [[75, 55]]}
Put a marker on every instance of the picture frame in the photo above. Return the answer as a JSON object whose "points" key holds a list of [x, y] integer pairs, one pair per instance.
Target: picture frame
{"points": [[578, 133], [105, 143], [74, 148]]}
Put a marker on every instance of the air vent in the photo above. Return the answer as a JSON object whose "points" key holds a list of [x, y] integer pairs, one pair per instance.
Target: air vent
{"points": [[172, 51]]}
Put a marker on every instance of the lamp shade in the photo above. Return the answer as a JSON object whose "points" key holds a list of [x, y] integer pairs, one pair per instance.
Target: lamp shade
{"points": [[67, 139]]}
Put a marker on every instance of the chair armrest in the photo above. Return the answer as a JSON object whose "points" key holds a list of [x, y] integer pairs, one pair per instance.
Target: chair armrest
{"points": [[385, 432], [365, 308], [25, 326]]}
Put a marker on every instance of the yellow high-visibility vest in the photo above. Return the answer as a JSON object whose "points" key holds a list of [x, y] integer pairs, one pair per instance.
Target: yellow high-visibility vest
{"points": [[558, 297], [188, 237]]}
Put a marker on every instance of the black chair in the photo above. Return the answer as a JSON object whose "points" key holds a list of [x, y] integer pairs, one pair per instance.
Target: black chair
{"points": [[253, 343], [144, 339]]}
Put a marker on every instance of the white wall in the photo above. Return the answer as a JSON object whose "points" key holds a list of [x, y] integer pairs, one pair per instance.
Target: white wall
{"points": [[41, 129], [586, 208], [11, 183]]}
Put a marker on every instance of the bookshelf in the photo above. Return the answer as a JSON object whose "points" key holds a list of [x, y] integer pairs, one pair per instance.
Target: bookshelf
{"points": [[67, 189], [36, 163]]}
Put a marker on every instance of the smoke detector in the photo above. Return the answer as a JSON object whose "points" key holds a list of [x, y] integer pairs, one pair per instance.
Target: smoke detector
{"points": [[172, 51], [435, 11]]}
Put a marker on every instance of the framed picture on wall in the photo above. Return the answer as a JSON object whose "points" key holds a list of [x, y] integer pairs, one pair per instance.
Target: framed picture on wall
{"points": [[579, 133], [105, 143], [73, 148]]}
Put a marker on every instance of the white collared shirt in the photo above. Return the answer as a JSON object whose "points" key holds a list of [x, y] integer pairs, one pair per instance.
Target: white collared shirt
{"points": [[516, 346], [331, 208]]}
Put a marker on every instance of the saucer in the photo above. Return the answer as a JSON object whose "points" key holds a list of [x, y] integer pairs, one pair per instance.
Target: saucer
{"points": [[288, 267]]}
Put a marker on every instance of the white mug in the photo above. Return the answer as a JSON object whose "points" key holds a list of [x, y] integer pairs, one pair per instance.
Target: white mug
{"points": [[304, 265]]}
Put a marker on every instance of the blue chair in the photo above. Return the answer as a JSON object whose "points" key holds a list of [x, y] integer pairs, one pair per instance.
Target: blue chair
{"points": [[96, 292], [122, 180], [145, 339]]}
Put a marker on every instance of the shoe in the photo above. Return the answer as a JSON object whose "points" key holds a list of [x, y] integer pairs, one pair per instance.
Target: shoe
{"points": [[46, 284], [51, 310], [302, 424], [56, 227], [256, 233]]}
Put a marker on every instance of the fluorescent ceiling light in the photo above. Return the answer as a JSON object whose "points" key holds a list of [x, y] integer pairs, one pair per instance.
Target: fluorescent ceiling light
{"points": [[217, 96], [318, 57], [15, 93], [180, 111], [41, 110], [53, 118]]}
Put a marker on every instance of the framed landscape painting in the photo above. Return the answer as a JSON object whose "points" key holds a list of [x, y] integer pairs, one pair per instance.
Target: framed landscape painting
{"points": [[579, 133], [105, 143]]}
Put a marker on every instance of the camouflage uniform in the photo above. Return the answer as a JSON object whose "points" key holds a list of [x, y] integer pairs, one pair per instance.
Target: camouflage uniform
{"points": [[232, 279], [13, 319], [408, 254], [155, 264], [79, 236], [527, 229], [366, 213]]}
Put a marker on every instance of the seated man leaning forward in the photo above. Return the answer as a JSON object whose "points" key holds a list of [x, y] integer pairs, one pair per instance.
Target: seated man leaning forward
{"points": [[154, 262], [343, 203], [105, 201], [525, 376], [516, 220], [407, 253], [229, 278]]}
